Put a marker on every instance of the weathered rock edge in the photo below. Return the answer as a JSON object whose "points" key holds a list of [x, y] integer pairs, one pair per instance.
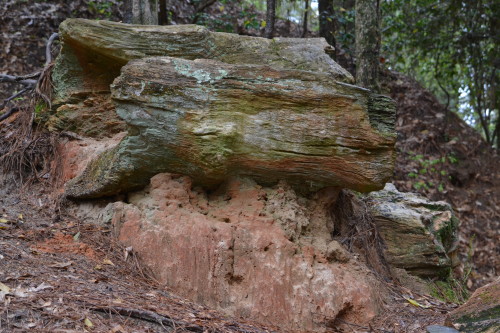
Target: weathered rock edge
{"points": [[210, 120], [94, 51], [481, 313]]}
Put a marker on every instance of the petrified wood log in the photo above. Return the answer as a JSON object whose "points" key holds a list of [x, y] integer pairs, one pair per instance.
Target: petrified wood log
{"points": [[211, 120], [421, 236], [94, 51]]}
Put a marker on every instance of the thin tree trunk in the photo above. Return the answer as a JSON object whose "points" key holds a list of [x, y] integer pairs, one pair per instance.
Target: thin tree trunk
{"points": [[163, 15], [497, 132], [326, 21], [306, 18], [140, 12], [270, 18], [367, 44]]}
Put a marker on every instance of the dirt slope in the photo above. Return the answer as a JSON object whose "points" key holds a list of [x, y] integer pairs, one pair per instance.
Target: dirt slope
{"points": [[59, 274], [440, 156]]}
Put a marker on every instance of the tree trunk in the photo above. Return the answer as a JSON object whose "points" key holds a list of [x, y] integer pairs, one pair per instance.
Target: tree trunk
{"points": [[496, 135], [306, 16], [140, 12], [270, 18], [163, 15], [326, 21], [367, 44], [200, 8]]}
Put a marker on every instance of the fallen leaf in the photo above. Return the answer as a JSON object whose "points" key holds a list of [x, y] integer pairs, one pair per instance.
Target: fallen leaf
{"points": [[417, 304], [4, 288], [76, 237], [62, 264], [107, 262], [41, 286], [88, 323], [117, 329], [20, 292]]}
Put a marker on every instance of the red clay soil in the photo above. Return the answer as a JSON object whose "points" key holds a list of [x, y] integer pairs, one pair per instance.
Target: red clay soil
{"points": [[63, 275], [64, 243]]}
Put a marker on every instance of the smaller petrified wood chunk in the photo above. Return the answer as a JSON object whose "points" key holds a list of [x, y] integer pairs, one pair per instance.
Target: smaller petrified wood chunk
{"points": [[211, 120], [421, 235], [481, 313]]}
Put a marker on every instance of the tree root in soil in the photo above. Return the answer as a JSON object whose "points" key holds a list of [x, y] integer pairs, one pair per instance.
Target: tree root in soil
{"points": [[26, 150]]}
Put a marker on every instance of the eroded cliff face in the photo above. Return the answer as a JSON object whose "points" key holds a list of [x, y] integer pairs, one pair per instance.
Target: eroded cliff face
{"points": [[255, 252]]}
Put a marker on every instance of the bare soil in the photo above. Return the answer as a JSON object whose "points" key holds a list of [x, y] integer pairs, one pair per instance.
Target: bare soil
{"points": [[65, 275]]}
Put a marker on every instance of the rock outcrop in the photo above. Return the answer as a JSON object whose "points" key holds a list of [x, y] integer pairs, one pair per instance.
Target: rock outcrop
{"points": [[258, 138], [210, 121], [261, 253], [268, 109], [421, 235], [481, 313]]}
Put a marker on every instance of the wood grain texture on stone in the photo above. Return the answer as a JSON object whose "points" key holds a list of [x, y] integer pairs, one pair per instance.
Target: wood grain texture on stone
{"points": [[421, 236], [481, 312], [211, 120], [93, 52]]}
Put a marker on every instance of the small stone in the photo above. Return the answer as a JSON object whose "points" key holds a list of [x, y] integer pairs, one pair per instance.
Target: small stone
{"points": [[440, 329]]}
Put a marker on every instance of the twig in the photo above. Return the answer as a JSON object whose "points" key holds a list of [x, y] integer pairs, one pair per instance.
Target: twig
{"points": [[48, 53], [7, 100], [148, 316], [9, 113]]}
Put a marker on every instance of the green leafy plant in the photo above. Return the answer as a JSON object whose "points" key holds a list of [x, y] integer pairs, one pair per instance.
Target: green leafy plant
{"points": [[103, 9], [436, 168]]}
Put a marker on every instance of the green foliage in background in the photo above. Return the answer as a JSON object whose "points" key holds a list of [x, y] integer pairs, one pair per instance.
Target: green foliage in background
{"points": [[452, 48]]}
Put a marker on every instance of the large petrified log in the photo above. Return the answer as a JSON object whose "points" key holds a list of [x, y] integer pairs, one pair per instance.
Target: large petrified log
{"points": [[211, 120], [94, 51]]}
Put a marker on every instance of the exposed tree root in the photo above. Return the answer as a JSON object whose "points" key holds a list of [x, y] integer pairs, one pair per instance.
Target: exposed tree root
{"points": [[357, 231], [26, 149]]}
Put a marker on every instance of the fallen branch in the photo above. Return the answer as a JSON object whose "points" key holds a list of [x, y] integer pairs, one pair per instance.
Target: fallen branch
{"points": [[35, 81], [17, 79], [9, 113], [148, 316]]}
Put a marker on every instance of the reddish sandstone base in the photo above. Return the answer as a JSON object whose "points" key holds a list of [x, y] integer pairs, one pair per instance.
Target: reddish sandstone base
{"points": [[248, 250]]}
